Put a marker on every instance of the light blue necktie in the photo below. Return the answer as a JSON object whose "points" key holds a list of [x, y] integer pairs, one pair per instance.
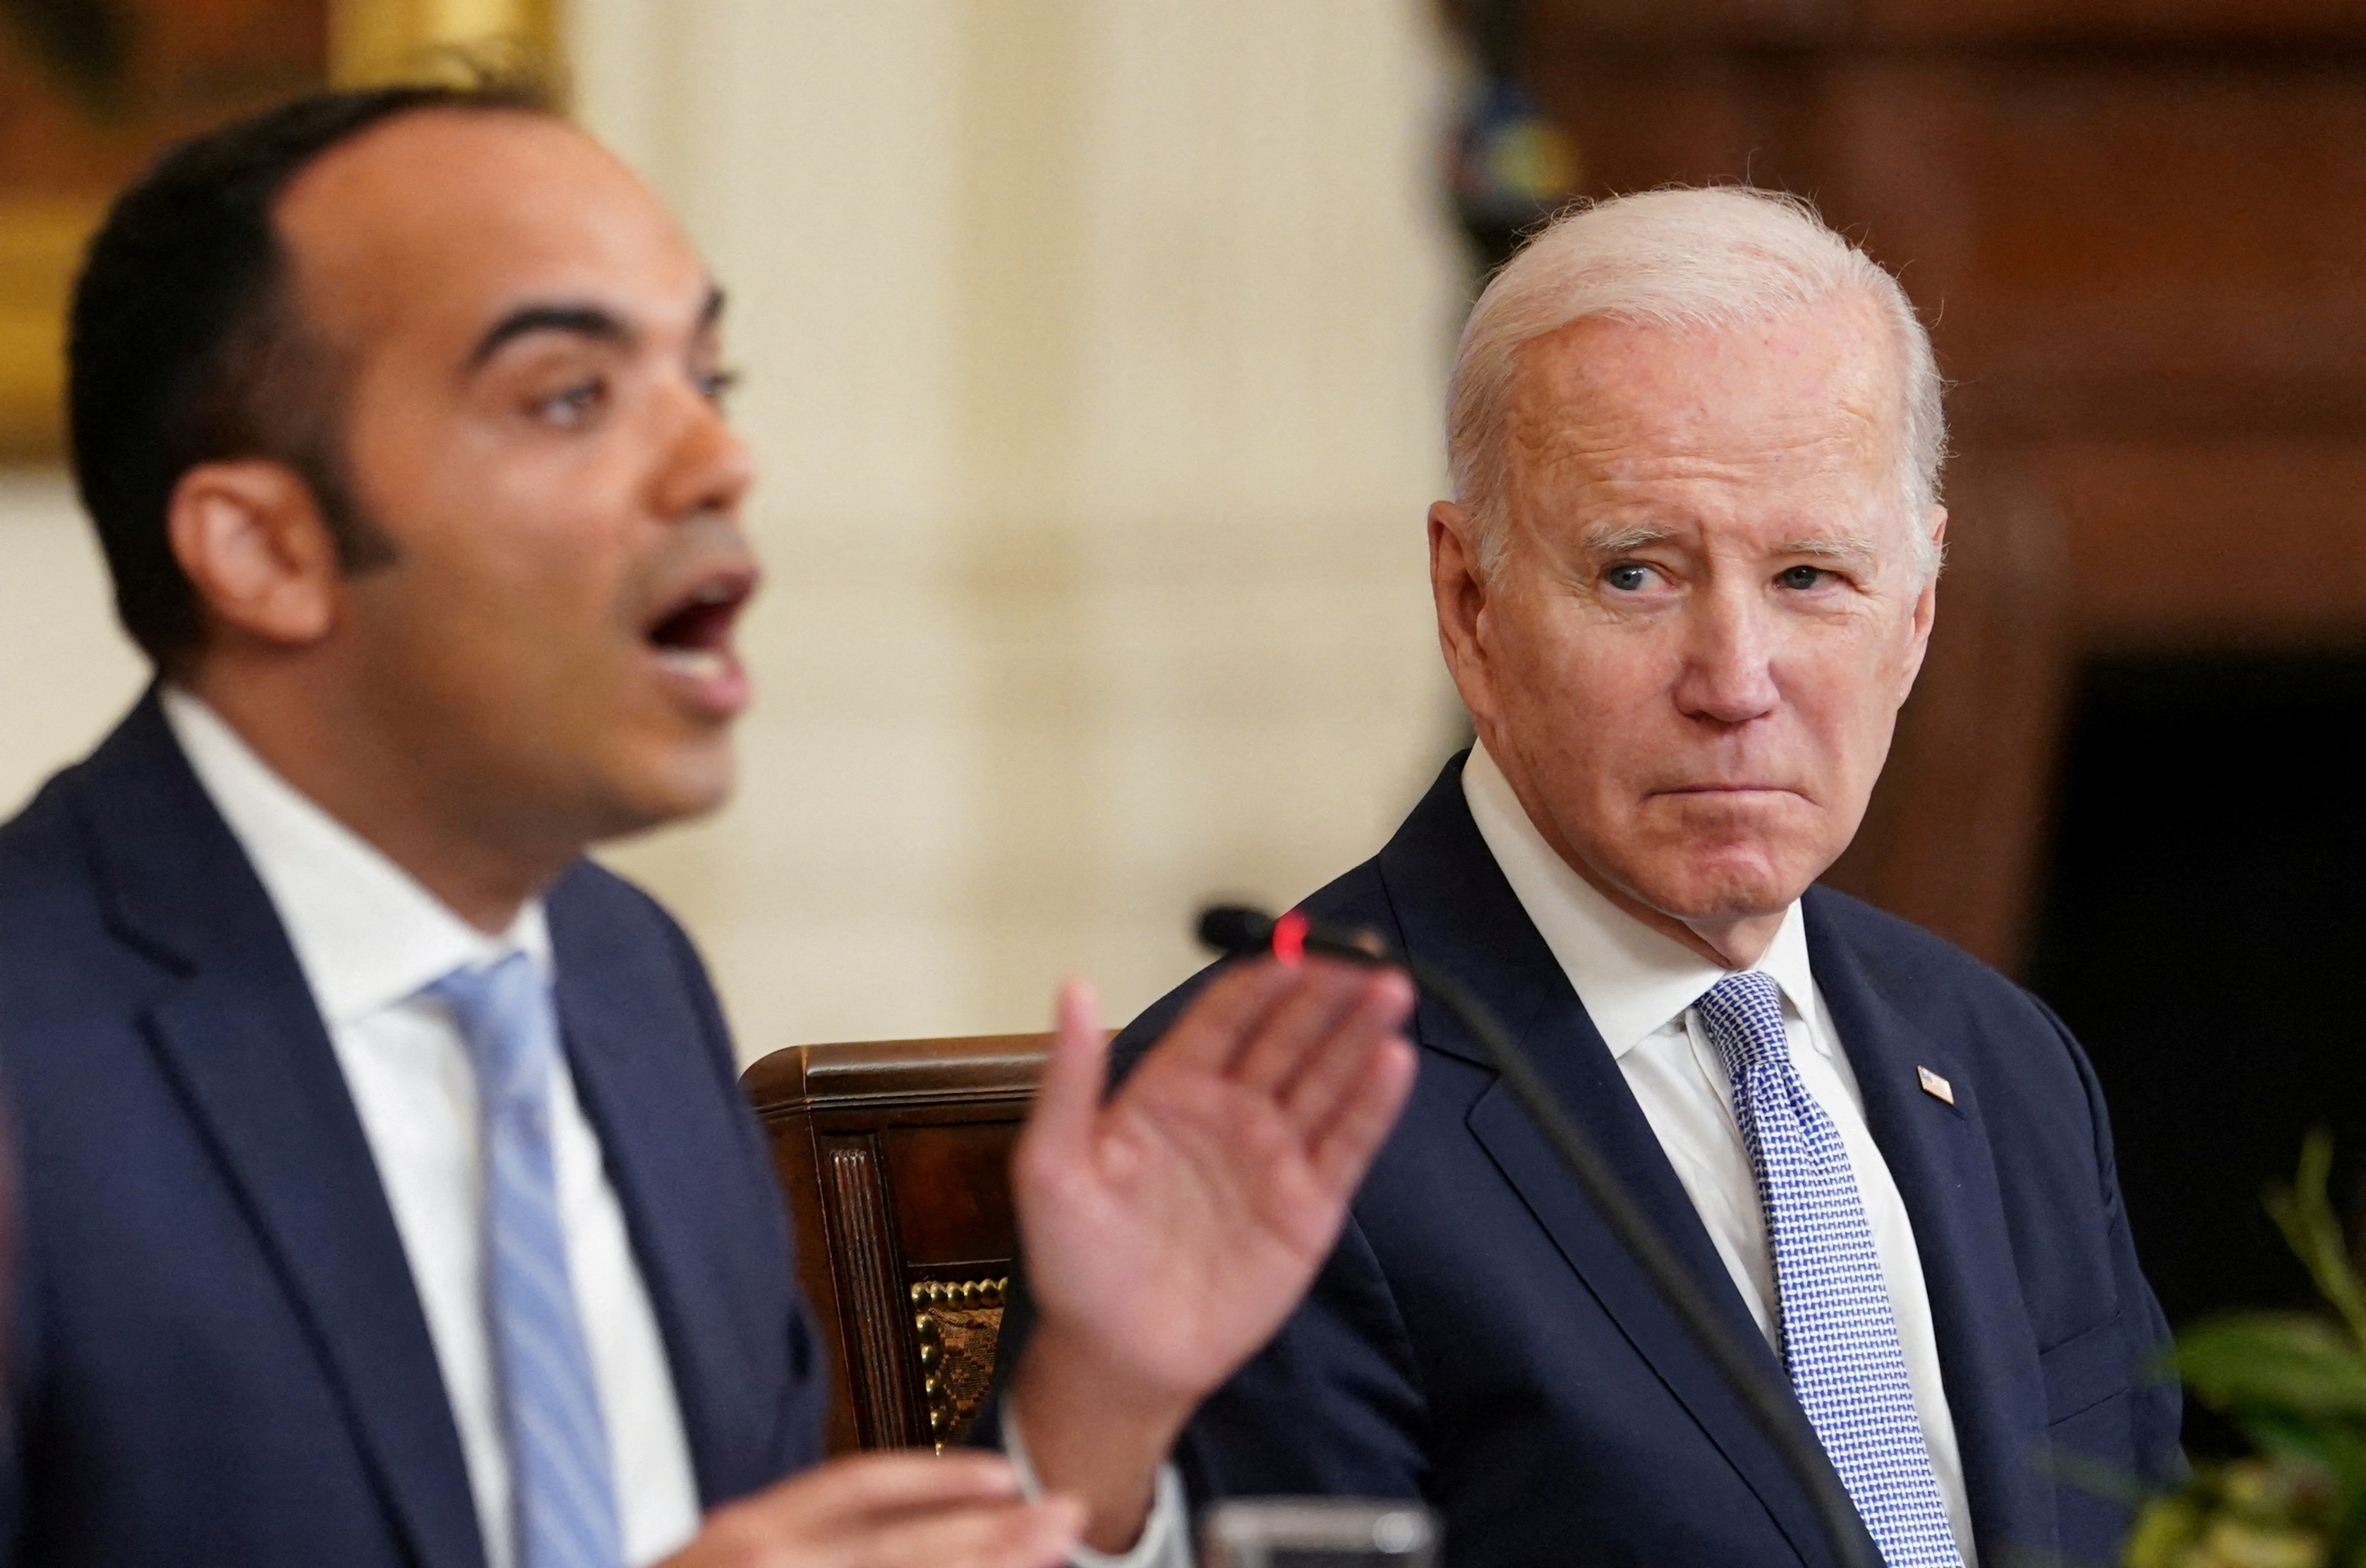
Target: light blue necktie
{"points": [[563, 1502], [1839, 1337]]}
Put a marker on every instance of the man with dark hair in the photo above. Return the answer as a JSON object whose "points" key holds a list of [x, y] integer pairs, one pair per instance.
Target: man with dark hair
{"points": [[386, 1193], [189, 344]]}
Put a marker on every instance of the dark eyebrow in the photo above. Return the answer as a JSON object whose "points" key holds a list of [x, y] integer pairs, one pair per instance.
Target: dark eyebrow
{"points": [[582, 320]]}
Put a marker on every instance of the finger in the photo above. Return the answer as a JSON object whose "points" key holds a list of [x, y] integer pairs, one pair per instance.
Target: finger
{"points": [[1312, 1099], [1324, 1000], [1059, 1128], [1232, 1007], [1342, 1150], [865, 1485], [1013, 1535]]}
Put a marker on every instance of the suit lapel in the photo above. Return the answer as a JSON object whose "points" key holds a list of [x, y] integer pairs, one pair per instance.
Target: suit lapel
{"points": [[235, 1029], [1938, 1155], [632, 1043], [1459, 913]]}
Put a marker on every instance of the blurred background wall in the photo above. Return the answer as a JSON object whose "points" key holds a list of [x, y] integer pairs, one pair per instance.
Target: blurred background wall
{"points": [[1093, 352]]}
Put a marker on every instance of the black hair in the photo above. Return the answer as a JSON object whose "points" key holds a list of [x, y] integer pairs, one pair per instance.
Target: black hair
{"points": [[185, 344]]}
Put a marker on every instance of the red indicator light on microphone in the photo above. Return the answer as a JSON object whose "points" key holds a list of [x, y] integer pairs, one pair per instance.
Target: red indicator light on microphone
{"points": [[1289, 937]]}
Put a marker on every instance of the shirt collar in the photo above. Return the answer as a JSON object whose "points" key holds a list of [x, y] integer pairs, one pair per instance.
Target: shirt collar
{"points": [[367, 933], [1633, 981]]}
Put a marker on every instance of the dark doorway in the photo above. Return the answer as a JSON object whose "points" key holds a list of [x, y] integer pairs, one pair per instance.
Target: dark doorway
{"points": [[2204, 935]]}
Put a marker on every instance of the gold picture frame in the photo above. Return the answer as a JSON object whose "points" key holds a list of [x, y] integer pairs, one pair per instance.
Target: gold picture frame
{"points": [[43, 233]]}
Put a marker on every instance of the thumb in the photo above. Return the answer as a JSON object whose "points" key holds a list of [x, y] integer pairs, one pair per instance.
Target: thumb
{"points": [[1060, 1128]]}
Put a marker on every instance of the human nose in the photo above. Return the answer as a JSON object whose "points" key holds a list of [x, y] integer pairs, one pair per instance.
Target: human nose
{"points": [[1729, 670], [708, 468]]}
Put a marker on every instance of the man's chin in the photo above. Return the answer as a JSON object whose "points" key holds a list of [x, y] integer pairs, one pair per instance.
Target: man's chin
{"points": [[1721, 890], [678, 788], [1730, 857]]}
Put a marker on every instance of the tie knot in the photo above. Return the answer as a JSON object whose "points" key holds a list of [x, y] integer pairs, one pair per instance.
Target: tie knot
{"points": [[506, 1020], [1744, 1015]]}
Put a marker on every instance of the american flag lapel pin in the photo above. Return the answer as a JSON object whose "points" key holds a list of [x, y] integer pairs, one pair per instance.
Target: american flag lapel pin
{"points": [[1936, 1086]]}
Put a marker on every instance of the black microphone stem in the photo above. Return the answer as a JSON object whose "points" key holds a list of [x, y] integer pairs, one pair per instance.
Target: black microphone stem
{"points": [[1234, 929], [1776, 1408]]}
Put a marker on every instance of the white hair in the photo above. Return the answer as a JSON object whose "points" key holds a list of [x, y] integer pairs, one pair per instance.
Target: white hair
{"points": [[1721, 257]]}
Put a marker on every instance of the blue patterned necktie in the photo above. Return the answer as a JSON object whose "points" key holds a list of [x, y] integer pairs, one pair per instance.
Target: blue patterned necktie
{"points": [[1839, 1337], [562, 1499]]}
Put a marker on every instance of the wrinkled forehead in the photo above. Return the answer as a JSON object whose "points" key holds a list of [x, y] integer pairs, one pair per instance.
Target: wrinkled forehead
{"points": [[432, 224], [1817, 387]]}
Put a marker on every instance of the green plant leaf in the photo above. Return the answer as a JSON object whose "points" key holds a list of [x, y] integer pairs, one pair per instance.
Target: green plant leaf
{"points": [[2314, 1232], [2295, 1385], [2273, 1362]]}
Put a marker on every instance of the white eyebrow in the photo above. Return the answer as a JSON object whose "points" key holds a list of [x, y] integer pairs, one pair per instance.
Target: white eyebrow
{"points": [[1619, 541], [1833, 546], [1611, 541]]}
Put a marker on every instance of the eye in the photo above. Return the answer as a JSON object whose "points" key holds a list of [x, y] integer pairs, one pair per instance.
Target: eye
{"points": [[1627, 577], [1802, 577], [574, 405]]}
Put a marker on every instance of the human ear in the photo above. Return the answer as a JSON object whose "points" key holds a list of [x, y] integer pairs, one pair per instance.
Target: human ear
{"points": [[1459, 590], [250, 534], [1926, 603]]}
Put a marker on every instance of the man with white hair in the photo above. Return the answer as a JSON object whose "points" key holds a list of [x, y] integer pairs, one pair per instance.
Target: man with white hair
{"points": [[1685, 584]]}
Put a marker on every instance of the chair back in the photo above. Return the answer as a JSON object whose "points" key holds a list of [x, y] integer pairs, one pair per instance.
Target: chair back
{"points": [[895, 1157]]}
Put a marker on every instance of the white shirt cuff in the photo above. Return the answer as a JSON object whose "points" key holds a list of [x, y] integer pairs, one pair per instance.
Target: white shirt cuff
{"points": [[1166, 1537]]}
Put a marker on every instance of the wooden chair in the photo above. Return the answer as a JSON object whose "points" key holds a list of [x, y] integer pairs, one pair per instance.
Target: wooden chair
{"points": [[894, 1156]]}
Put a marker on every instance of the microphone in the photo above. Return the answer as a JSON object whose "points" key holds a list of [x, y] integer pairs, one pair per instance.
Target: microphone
{"points": [[1237, 929], [1241, 931]]}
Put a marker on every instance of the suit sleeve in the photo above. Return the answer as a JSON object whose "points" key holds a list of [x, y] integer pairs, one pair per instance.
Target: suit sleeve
{"points": [[19, 1362], [2158, 1405], [799, 1444]]}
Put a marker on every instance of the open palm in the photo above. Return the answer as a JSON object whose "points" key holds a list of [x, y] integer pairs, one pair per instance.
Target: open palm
{"points": [[1170, 1228]]}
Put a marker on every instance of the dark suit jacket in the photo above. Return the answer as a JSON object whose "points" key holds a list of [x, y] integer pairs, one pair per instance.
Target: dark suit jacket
{"points": [[219, 1357], [1479, 1339]]}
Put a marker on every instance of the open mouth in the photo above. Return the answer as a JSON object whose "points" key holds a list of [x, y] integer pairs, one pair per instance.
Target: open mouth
{"points": [[692, 638]]}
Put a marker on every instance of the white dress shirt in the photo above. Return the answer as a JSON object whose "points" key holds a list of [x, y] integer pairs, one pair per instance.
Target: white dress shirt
{"points": [[1639, 987], [1164, 1542], [369, 938]]}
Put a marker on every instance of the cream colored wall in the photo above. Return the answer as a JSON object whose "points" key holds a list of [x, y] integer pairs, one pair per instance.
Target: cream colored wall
{"points": [[66, 673], [1093, 352]]}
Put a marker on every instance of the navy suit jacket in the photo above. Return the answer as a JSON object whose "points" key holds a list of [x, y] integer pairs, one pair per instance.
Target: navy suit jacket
{"points": [[219, 1357], [1479, 1339]]}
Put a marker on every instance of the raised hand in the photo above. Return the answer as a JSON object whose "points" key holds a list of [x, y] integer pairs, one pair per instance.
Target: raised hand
{"points": [[1169, 1229]]}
